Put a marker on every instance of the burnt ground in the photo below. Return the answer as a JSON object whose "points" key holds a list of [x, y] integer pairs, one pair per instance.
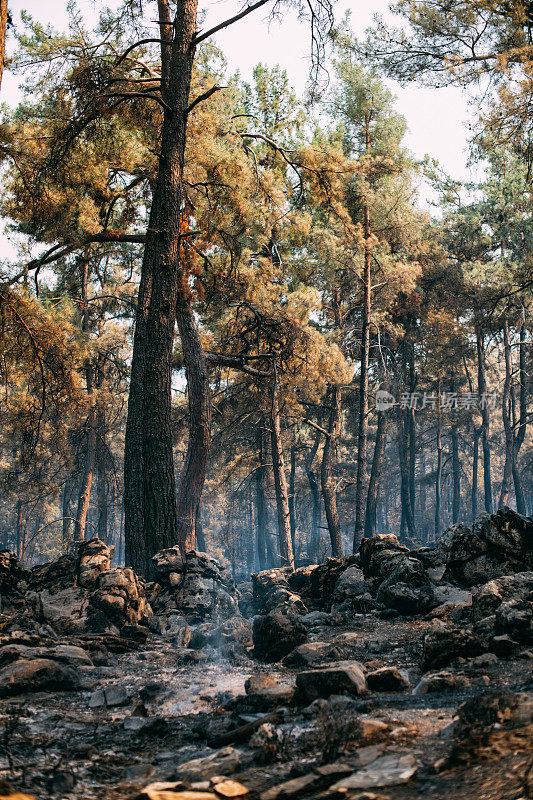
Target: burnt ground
{"points": [[166, 706]]}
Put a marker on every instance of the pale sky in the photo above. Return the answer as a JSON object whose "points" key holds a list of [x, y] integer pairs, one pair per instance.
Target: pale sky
{"points": [[437, 118]]}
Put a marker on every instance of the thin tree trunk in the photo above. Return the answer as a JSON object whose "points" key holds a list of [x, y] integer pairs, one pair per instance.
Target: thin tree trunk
{"points": [[485, 422], [329, 492], [20, 531], [3, 29], [411, 428], [87, 476], [153, 517], [195, 466], [316, 514], [438, 474], [522, 422], [375, 474], [66, 512], [362, 433], [408, 521], [475, 468], [86, 481], [261, 514], [280, 481], [456, 471], [292, 504], [250, 556], [506, 418], [102, 459], [199, 531]]}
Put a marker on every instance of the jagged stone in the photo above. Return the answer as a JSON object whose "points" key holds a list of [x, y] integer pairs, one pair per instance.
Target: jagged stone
{"points": [[347, 678], [442, 646], [499, 544], [387, 679], [94, 557], [37, 675], [276, 634]]}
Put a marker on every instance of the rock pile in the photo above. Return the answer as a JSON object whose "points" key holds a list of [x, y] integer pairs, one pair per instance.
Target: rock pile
{"points": [[197, 587]]}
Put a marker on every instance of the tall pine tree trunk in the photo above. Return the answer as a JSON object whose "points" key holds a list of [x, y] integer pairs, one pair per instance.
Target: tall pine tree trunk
{"points": [[152, 517], [506, 418], [329, 492], [485, 421], [261, 515], [195, 466], [362, 433], [375, 474], [316, 513], [475, 469], [292, 502], [280, 482], [522, 420], [438, 473], [408, 523], [102, 463]]}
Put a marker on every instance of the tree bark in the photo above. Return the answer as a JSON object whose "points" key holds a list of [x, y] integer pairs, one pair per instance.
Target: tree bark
{"points": [[195, 466], [329, 492], [362, 434], [522, 421], [86, 481], [20, 531], [3, 30], [375, 474], [199, 531], [485, 422], [280, 481], [66, 511], [102, 463], [151, 509], [506, 418], [408, 521], [292, 504], [438, 473], [261, 514], [475, 469]]}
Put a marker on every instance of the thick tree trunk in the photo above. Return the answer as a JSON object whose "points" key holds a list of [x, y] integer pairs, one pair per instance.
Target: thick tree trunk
{"points": [[280, 482], [151, 509], [485, 422], [329, 492], [375, 474]]}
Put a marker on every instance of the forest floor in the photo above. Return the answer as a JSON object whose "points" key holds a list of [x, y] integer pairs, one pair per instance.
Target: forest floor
{"points": [[140, 716]]}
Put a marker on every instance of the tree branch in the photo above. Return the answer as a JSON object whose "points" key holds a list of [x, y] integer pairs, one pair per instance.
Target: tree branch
{"points": [[200, 37]]}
